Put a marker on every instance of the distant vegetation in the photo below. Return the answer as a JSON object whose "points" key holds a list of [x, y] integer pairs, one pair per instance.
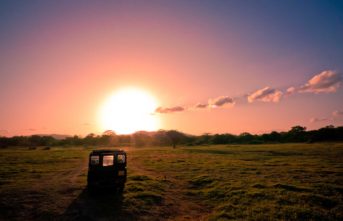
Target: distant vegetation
{"points": [[296, 134]]}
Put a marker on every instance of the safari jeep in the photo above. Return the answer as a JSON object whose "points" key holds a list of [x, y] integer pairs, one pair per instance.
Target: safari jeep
{"points": [[107, 168]]}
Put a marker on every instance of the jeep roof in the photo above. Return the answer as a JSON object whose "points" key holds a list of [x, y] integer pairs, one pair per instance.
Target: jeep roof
{"points": [[95, 152]]}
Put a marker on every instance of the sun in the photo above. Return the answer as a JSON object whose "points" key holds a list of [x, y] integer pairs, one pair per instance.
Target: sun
{"points": [[129, 110]]}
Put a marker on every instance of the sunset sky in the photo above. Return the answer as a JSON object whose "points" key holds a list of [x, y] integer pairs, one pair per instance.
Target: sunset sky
{"points": [[206, 66]]}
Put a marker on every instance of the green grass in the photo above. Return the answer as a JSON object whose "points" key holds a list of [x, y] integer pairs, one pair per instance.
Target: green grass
{"points": [[225, 182]]}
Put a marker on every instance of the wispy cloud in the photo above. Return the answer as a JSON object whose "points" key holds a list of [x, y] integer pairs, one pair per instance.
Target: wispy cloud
{"points": [[337, 113], [334, 115], [265, 94], [325, 82], [166, 110], [291, 90], [201, 105], [220, 102], [315, 120]]}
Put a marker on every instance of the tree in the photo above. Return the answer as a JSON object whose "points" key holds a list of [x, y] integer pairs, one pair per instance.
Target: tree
{"points": [[297, 134], [245, 137], [160, 138], [109, 133], [175, 137], [141, 138], [272, 137], [90, 139], [297, 129], [109, 137], [222, 138]]}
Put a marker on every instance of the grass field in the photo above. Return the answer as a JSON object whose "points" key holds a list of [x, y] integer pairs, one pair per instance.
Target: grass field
{"points": [[233, 182]]}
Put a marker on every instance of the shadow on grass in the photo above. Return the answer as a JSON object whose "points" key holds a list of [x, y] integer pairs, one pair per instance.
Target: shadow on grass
{"points": [[97, 205]]}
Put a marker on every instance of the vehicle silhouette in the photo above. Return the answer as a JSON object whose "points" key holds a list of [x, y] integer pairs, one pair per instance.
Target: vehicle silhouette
{"points": [[107, 170]]}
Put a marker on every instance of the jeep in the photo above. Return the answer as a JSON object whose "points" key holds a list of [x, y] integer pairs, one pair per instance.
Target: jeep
{"points": [[107, 168]]}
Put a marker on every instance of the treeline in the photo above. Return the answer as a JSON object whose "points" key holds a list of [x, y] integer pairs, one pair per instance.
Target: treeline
{"points": [[296, 134]]}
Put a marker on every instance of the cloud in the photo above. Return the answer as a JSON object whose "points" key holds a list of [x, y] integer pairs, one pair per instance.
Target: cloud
{"points": [[266, 94], [201, 105], [325, 82], [334, 114], [315, 120], [337, 113], [291, 90], [167, 110], [220, 101]]}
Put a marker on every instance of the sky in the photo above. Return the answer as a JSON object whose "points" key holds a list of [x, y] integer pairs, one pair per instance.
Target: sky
{"points": [[212, 66]]}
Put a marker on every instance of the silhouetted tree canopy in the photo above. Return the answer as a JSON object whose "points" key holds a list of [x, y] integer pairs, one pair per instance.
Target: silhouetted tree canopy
{"points": [[296, 134], [175, 137]]}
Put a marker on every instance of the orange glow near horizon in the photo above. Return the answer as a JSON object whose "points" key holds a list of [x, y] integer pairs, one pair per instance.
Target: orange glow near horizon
{"points": [[129, 110]]}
